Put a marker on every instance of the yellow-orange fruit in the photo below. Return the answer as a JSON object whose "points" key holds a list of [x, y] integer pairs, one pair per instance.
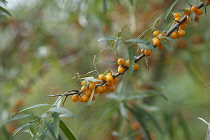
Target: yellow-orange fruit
{"points": [[109, 78], [101, 76], [142, 50], [91, 86], [83, 83], [156, 33], [83, 88], [187, 12], [156, 41], [88, 92], [160, 47], [182, 26], [194, 9], [148, 52], [111, 88], [181, 33], [105, 88], [136, 66], [199, 12], [174, 35], [177, 15], [100, 89], [120, 69], [115, 81], [75, 98], [85, 98], [127, 63], [120, 61], [81, 99]]}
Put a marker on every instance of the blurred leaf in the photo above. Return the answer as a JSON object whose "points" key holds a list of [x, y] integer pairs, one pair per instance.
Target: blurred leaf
{"points": [[131, 59], [168, 38], [148, 116], [136, 40], [145, 45], [49, 126], [56, 121], [5, 11], [116, 134], [57, 102], [151, 19], [22, 127], [112, 96], [31, 107], [105, 39], [67, 131], [62, 110], [117, 47], [192, 16], [156, 22], [16, 118], [141, 121], [105, 6], [169, 9], [183, 125], [131, 2], [166, 45], [113, 62], [123, 111], [179, 11], [142, 33], [154, 92]]}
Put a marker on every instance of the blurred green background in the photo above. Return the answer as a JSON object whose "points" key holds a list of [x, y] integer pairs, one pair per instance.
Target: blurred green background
{"points": [[45, 43]]}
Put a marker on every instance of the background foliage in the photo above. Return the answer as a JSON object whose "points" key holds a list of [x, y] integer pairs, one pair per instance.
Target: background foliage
{"points": [[44, 43]]}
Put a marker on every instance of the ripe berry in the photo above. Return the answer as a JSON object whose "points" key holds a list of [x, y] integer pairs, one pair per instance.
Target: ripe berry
{"points": [[177, 15], [120, 61], [174, 35], [100, 89], [101, 76], [83, 83], [194, 9], [81, 99], [96, 91], [136, 66], [109, 82], [182, 26], [160, 47], [109, 78], [91, 86], [115, 81], [75, 98], [177, 19], [120, 69], [181, 33], [111, 88], [94, 97], [156, 41], [85, 98], [142, 50], [105, 88], [147, 52], [156, 33], [127, 62], [83, 88], [187, 12], [88, 92], [162, 34], [199, 12]]}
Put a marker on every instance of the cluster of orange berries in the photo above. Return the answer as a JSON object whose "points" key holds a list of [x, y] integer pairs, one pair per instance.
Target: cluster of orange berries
{"points": [[95, 87], [207, 2], [102, 84]]}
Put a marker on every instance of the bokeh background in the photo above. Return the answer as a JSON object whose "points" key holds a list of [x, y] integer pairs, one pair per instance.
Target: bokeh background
{"points": [[45, 43]]}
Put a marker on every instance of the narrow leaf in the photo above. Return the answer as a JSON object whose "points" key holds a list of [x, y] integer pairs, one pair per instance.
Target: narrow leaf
{"points": [[61, 110], [17, 118], [49, 126], [156, 22], [143, 33], [106, 39], [113, 62], [131, 59], [166, 45], [192, 16], [5, 11], [169, 39], [117, 47], [22, 127], [35, 106], [67, 131], [123, 111], [56, 122], [169, 9]]}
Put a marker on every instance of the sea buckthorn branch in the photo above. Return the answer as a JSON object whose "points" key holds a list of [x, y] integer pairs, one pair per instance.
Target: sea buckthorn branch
{"points": [[105, 81]]}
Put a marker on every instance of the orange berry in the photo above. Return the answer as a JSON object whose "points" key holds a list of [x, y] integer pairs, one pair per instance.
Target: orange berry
{"points": [[109, 82], [83, 83], [207, 2], [182, 26], [155, 33], [105, 88], [96, 91], [187, 12], [88, 92], [177, 19], [115, 81], [162, 34], [120, 69], [91, 86], [174, 35], [194, 9], [181, 33], [120, 61], [101, 76], [111, 88], [177, 15], [85, 98], [142, 50], [148, 52], [199, 12], [83, 89], [136, 66], [75, 98], [160, 47], [100, 89], [197, 17], [127, 63], [109, 78], [94, 97], [156, 41], [81, 99]]}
